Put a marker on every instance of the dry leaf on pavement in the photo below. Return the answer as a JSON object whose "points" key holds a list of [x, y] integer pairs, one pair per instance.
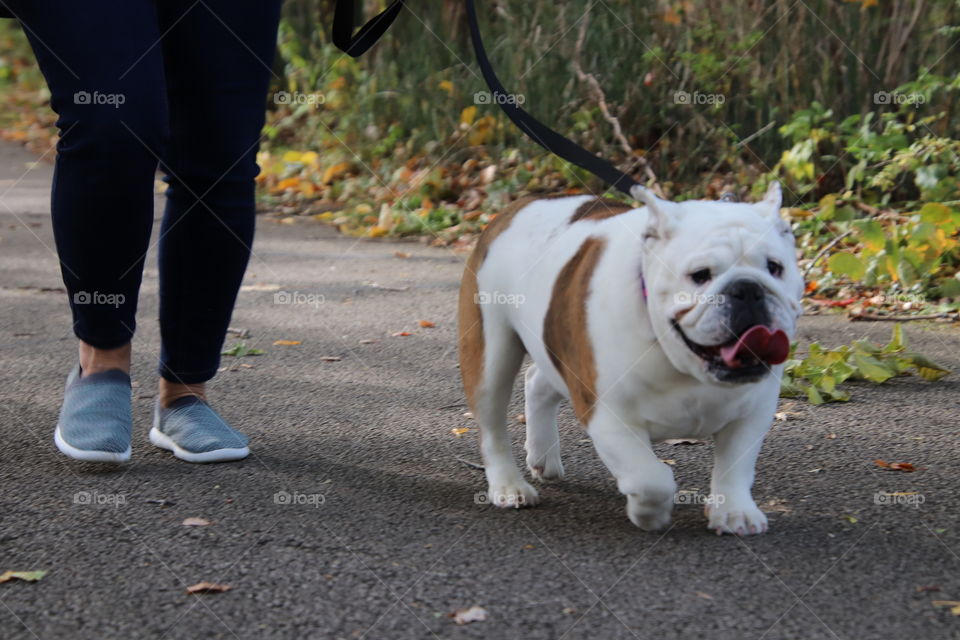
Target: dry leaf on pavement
{"points": [[26, 576], [953, 604], [208, 587], [196, 522], [906, 467], [466, 616]]}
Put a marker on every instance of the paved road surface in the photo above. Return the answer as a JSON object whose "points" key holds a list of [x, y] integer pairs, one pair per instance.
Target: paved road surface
{"points": [[383, 538]]}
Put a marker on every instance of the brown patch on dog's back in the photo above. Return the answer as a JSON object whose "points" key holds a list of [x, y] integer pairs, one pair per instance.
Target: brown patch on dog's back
{"points": [[469, 316], [599, 209], [565, 328]]}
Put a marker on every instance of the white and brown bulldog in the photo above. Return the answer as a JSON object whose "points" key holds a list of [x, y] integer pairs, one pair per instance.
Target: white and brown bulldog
{"points": [[670, 320]]}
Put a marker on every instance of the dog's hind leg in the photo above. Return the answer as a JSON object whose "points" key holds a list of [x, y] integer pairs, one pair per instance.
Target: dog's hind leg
{"points": [[490, 356], [503, 356], [541, 402]]}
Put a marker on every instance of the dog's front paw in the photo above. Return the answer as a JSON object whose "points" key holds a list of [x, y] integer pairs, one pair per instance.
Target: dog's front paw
{"points": [[513, 495], [545, 468], [742, 518], [647, 514]]}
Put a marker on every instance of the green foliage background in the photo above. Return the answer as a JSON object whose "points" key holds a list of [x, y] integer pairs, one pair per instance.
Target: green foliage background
{"points": [[769, 59]]}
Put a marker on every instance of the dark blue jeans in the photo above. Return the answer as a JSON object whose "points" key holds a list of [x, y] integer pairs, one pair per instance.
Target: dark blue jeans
{"points": [[137, 84]]}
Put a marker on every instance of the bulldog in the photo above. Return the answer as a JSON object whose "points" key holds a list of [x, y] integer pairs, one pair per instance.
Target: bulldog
{"points": [[669, 320]]}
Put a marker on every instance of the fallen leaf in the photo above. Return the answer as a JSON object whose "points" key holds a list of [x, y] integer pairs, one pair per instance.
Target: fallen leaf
{"points": [[488, 173], [851, 519], [260, 286], [529, 547], [459, 431], [705, 596], [426, 324], [400, 334], [902, 466], [466, 616], [330, 359], [335, 171], [906, 467], [286, 343], [240, 350], [668, 461], [26, 576], [196, 522], [208, 587], [401, 254], [953, 604]]}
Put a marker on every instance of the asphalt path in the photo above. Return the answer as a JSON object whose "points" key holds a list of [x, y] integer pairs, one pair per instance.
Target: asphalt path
{"points": [[356, 518]]}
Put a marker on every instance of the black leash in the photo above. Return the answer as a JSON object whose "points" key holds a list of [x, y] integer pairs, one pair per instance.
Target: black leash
{"points": [[356, 45]]}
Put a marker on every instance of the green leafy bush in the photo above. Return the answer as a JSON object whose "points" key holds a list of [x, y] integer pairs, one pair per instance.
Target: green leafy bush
{"points": [[818, 375]]}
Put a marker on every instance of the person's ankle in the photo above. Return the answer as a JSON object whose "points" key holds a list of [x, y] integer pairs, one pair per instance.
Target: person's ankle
{"points": [[173, 391], [93, 360]]}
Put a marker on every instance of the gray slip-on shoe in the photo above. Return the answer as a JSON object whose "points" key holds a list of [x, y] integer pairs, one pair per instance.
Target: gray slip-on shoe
{"points": [[96, 419], [194, 432]]}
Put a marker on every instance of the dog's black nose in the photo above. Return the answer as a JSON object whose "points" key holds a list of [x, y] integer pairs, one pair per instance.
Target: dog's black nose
{"points": [[745, 291]]}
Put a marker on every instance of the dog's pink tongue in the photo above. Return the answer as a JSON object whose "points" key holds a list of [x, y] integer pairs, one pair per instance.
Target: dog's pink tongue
{"points": [[757, 343]]}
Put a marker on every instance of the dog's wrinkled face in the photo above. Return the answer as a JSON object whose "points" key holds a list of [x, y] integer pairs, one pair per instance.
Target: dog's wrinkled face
{"points": [[723, 287]]}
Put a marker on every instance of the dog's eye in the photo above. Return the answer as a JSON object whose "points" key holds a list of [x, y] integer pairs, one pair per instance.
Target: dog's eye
{"points": [[775, 268], [700, 276]]}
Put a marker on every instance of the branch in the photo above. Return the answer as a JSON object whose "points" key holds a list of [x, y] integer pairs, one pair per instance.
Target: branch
{"points": [[599, 96]]}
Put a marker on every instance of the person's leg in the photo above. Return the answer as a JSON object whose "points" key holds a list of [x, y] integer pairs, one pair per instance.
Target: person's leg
{"points": [[217, 56], [106, 86]]}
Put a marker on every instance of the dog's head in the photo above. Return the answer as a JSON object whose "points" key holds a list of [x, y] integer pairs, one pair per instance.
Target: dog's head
{"points": [[722, 283]]}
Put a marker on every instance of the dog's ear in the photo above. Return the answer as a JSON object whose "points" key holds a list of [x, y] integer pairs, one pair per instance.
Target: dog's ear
{"points": [[772, 199], [770, 206], [659, 217]]}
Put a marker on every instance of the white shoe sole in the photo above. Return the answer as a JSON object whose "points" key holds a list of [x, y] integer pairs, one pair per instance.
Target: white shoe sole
{"points": [[160, 439], [85, 455]]}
